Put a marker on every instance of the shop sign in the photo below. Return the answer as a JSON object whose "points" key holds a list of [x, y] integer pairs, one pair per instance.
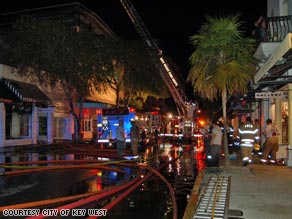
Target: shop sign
{"points": [[276, 94]]}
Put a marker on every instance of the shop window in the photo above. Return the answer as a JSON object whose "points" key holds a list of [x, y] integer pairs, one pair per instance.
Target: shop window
{"points": [[60, 127], [43, 129], [17, 122], [24, 125], [86, 124], [285, 122], [8, 125]]}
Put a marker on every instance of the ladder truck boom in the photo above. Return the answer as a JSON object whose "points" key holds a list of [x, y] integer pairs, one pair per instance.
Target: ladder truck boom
{"points": [[159, 61]]}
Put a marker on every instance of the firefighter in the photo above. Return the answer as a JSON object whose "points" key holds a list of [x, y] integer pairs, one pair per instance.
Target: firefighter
{"points": [[248, 134], [272, 137], [135, 135]]}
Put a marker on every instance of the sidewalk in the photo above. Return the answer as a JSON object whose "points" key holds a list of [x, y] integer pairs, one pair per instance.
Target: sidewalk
{"points": [[259, 191]]}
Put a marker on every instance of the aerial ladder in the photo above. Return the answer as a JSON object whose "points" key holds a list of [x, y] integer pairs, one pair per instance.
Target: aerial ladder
{"points": [[159, 61]]}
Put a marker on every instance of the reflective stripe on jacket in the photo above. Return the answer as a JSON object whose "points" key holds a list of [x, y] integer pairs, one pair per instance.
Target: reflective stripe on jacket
{"points": [[248, 133]]}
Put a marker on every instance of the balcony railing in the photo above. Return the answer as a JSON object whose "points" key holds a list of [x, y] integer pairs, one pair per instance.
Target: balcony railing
{"points": [[278, 28]]}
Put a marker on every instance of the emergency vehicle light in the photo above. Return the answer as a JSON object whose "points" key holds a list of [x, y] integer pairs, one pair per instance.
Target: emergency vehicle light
{"points": [[103, 140]]}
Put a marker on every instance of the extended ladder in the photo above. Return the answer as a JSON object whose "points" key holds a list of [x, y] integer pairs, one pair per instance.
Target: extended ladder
{"points": [[214, 201], [165, 71]]}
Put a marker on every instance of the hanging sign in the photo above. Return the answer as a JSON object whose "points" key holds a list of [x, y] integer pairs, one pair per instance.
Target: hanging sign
{"points": [[276, 94]]}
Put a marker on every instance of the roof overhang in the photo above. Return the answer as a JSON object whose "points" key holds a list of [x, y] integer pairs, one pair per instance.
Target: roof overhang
{"points": [[281, 51], [16, 91], [74, 13]]}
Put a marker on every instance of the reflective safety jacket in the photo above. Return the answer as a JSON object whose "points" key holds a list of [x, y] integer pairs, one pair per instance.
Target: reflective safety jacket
{"points": [[248, 133]]}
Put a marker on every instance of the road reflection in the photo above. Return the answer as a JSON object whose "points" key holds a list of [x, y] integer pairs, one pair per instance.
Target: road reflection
{"points": [[188, 159]]}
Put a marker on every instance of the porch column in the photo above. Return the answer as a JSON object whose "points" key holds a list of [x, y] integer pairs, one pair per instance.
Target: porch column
{"points": [[265, 109], [2, 160], [50, 125], [278, 116], [70, 127], [34, 123], [2, 125], [289, 162]]}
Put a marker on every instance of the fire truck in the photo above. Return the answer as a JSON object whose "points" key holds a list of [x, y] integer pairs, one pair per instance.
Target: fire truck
{"points": [[108, 119], [184, 124], [185, 109]]}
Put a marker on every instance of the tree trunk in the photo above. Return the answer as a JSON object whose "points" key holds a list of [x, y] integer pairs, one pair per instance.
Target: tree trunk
{"points": [[225, 138], [117, 97], [79, 118], [73, 112], [76, 125]]}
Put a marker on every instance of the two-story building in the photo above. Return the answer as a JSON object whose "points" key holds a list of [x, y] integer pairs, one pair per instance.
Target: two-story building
{"points": [[270, 94], [31, 112]]}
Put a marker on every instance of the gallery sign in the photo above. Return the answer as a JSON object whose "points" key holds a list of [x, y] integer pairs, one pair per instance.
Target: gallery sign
{"points": [[276, 94]]}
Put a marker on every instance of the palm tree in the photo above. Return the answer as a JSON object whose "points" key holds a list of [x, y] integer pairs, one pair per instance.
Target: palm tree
{"points": [[222, 63]]}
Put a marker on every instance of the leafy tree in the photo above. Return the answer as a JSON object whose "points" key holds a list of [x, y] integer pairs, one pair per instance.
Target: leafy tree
{"points": [[128, 70], [222, 62], [143, 75], [56, 53]]}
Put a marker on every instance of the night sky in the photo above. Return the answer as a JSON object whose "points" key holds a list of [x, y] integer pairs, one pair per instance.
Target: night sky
{"points": [[169, 22]]}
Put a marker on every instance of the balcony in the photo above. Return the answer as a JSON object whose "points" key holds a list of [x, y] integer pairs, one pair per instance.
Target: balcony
{"points": [[278, 28], [274, 54]]}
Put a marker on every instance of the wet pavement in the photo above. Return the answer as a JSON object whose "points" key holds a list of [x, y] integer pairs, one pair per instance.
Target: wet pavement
{"points": [[153, 194], [258, 191], [30, 187]]}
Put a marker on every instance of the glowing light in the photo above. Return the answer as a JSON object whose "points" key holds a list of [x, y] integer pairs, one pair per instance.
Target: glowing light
{"points": [[103, 159], [168, 71], [169, 168], [202, 122], [102, 140]]}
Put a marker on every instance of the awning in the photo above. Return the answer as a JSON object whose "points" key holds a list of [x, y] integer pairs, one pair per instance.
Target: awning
{"points": [[6, 95], [15, 91]]}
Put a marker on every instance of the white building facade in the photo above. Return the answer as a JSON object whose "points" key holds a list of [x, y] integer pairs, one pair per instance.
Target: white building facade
{"points": [[272, 83]]}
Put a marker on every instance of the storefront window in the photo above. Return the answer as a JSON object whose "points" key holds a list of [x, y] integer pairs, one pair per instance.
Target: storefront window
{"points": [[285, 122], [8, 125], [86, 124], [43, 125], [60, 127], [17, 121], [24, 125]]}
